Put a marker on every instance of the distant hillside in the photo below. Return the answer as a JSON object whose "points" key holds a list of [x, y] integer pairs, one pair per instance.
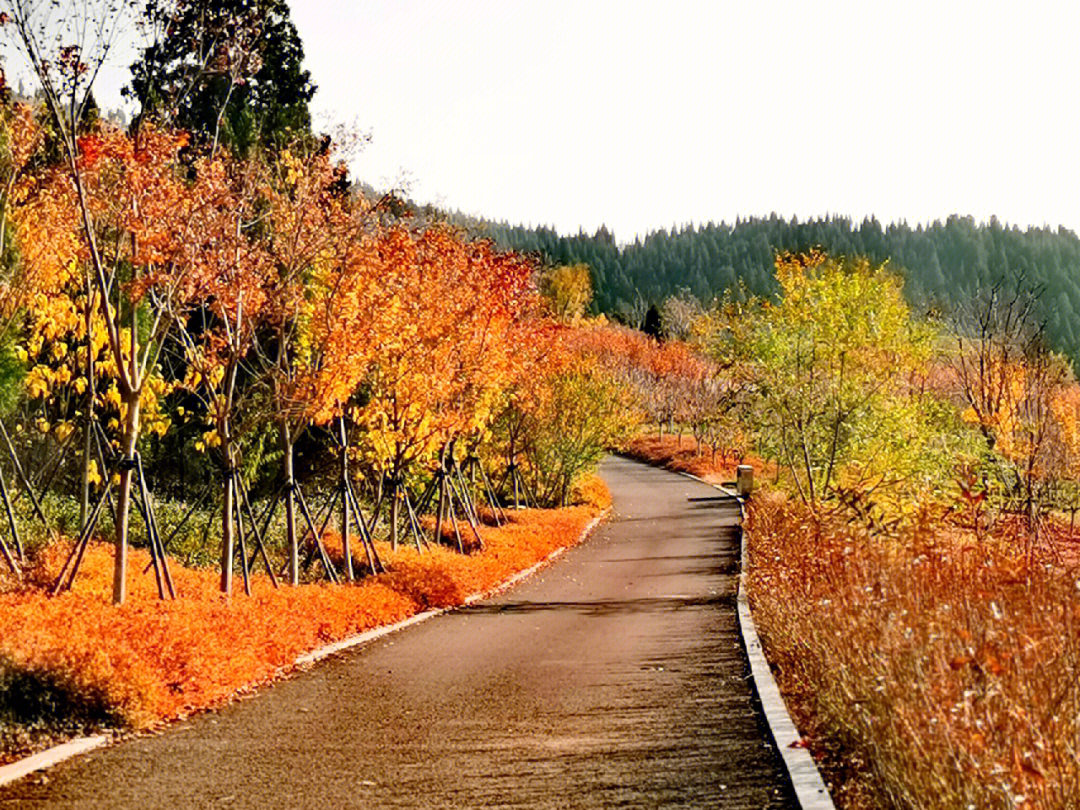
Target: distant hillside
{"points": [[943, 263]]}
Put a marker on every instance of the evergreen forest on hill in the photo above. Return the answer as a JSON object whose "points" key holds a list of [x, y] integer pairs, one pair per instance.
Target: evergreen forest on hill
{"points": [[943, 264]]}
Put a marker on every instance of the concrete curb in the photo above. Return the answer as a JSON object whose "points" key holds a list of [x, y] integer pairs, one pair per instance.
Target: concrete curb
{"points": [[50, 757], [809, 787], [366, 636], [80, 745]]}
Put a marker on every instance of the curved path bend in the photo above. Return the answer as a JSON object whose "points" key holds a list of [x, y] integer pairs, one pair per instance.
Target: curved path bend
{"points": [[613, 678]]}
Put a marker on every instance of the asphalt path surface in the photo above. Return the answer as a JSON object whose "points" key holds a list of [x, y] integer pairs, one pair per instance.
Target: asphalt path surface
{"points": [[612, 678]]}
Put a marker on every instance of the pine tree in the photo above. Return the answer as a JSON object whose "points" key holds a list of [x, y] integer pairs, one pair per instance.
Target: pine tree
{"points": [[229, 71]]}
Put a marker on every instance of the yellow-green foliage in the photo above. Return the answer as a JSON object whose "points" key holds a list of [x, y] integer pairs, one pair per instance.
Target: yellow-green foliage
{"points": [[568, 290], [837, 359]]}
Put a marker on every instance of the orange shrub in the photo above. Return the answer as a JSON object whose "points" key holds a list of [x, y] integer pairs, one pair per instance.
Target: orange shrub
{"points": [[684, 455], [440, 577], [592, 491], [155, 660]]}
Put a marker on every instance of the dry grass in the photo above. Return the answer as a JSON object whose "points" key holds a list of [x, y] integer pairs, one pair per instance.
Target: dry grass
{"points": [[939, 672], [151, 660]]}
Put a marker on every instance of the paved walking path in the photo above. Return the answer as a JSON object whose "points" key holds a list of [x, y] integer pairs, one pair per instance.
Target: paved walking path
{"points": [[613, 678]]}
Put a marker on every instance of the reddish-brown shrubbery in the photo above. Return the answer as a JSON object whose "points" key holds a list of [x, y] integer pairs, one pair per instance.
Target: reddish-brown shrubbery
{"points": [[151, 659], [682, 454], [941, 668]]}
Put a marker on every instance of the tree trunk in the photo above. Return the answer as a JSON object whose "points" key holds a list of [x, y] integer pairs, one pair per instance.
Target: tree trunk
{"points": [[440, 509], [290, 503], [84, 484], [345, 546], [513, 470], [123, 499], [88, 441], [227, 509], [394, 515]]}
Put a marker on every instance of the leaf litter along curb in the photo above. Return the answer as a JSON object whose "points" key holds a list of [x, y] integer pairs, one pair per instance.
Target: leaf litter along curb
{"points": [[150, 661]]}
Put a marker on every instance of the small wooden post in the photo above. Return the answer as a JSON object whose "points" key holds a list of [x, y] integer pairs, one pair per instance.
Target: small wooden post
{"points": [[744, 480]]}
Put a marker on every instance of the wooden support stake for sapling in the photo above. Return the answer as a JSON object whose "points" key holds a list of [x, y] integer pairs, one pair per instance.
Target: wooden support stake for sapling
{"points": [[468, 516], [143, 507], [183, 520], [13, 526], [527, 490], [324, 521], [21, 475], [74, 558], [440, 507], [502, 482], [260, 547], [486, 490], [268, 513], [496, 507], [365, 536], [419, 528], [10, 559], [414, 524], [376, 512], [464, 495], [514, 478], [210, 517], [238, 512], [374, 562], [328, 566], [282, 493], [99, 437], [519, 487], [155, 535], [424, 503], [453, 518], [8, 503], [469, 493], [346, 547]]}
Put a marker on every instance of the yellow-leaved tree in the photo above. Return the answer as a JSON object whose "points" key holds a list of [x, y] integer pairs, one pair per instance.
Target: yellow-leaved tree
{"points": [[834, 352]]}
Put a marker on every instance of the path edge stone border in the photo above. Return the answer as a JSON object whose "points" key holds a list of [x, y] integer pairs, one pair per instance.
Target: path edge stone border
{"points": [[50, 756], [805, 777], [43, 760]]}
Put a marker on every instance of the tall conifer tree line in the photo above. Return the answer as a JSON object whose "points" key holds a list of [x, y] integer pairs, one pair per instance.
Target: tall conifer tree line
{"points": [[943, 264]]}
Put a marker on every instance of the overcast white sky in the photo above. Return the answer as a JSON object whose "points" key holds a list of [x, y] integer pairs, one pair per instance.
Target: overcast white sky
{"points": [[642, 115]]}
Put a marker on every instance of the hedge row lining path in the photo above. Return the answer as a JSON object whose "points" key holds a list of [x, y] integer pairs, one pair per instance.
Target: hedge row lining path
{"points": [[613, 677]]}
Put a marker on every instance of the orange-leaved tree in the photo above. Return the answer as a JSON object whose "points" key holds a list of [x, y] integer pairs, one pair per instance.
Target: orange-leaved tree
{"points": [[445, 351], [224, 301], [141, 217], [313, 233]]}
